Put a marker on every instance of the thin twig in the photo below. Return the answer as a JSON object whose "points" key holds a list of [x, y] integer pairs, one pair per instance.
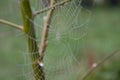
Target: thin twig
{"points": [[47, 20], [98, 65], [11, 24], [50, 7]]}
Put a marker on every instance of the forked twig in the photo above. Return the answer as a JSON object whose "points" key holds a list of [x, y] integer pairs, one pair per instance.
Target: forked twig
{"points": [[98, 65], [50, 7], [11, 24], [47, 20]]}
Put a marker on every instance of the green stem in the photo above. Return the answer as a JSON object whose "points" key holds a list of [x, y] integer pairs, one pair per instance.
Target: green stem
{"points": [[11, 24], [32, 44]]}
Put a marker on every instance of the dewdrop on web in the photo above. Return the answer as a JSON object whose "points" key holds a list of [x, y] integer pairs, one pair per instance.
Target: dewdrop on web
{"points": [[40, 64], [94, 65], [44, 18]]}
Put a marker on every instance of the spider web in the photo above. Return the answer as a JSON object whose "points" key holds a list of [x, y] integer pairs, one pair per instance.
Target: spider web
{"points": [[68, 26]]}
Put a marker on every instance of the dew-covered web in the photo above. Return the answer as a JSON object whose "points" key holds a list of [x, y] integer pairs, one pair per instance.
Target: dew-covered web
{"points": [[68, 26]]}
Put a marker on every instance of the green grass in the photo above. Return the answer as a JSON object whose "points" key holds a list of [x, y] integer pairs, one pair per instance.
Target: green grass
{"points": [[102, 37]]}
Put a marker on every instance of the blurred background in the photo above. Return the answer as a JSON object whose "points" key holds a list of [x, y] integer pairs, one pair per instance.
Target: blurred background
{"points": [[101, 38]]}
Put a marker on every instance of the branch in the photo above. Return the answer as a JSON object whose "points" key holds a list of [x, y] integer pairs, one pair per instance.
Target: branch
{"points": [[47, 21], [99, 64], [50, 7], [11, 24], [38, 72]]}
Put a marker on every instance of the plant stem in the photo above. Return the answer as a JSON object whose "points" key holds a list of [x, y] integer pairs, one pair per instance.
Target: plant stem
{"points": [[50, 7], [47, 21], [98, 65], [32, 44], [11, 24]]}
